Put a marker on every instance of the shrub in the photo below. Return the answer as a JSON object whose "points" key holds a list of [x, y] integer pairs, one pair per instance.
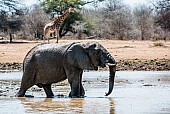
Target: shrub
{"points": [[158, 44]]}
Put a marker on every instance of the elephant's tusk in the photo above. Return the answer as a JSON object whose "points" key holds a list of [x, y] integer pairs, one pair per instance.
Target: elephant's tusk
{"points": [[111, 64]]}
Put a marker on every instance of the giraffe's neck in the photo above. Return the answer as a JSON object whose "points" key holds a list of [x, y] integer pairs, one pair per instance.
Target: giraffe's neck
{"points": [[61, 18]]}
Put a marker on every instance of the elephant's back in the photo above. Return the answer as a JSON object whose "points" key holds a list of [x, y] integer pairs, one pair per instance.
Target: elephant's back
{"points": [[46, 53], [51, 47]]}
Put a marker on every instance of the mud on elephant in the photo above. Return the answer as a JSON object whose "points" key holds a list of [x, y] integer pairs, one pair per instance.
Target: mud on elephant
{"points": [[50, 63]]}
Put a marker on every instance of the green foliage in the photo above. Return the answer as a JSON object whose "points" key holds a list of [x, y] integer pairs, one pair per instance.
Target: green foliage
{"points": [[58, 7], [71, 20], [89, 25]]}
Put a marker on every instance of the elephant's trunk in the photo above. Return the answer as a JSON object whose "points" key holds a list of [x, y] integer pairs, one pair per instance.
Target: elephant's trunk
{"points": [[112, 70]]}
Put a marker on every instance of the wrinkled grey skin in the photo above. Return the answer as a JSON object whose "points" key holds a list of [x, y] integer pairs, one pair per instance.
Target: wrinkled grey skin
{"points": [[50, 63]]}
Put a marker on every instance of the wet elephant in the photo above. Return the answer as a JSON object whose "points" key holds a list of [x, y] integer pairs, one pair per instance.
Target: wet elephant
{"points": [[50, 63]]}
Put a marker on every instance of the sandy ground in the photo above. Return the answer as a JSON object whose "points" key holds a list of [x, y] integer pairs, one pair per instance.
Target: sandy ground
{"points": [[120, 50]]}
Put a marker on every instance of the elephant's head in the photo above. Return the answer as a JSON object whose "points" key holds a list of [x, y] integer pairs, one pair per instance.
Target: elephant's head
{"points": [[90, 56]]}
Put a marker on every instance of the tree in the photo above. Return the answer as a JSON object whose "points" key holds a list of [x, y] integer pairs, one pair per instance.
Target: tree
{"points": [[9, 5], [9, 21], [143, 15], [115, 20], [163, 14], [57, 7], [34, 21]]}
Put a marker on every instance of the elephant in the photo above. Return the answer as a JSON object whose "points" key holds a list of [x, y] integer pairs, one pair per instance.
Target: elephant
{"points": [[49, 63]]}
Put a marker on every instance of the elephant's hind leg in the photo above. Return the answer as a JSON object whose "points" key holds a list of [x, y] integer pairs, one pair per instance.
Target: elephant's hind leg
{"points": [[24, 87], [48, 90], [21, 93], [26, 83]]}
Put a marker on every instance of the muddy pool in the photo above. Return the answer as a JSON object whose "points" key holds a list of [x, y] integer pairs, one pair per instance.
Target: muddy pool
{"points": [[135, 92]]}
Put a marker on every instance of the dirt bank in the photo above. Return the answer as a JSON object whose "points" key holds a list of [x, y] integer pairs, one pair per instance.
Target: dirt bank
{"points": [[130, 55]]}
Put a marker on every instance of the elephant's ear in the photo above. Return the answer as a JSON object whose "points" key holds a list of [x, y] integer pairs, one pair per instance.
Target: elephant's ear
{"points": [[78, 57]]}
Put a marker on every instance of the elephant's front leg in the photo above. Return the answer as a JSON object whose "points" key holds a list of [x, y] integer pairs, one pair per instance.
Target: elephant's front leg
{"points": [[77, 90], [82, 92], [74, 79]]}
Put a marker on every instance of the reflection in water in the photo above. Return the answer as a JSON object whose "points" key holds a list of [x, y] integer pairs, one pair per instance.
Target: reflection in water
{"points": [[112, 107], [134, 93], [69, 105]]}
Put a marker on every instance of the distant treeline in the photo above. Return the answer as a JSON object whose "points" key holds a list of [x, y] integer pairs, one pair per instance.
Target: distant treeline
{"points": [[112, 20]]}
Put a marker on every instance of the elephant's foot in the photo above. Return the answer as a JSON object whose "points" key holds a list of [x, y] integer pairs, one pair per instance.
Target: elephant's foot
{"points": [[76, 96], [21, 93], [77, 91], [30, 96], [50, 96]]}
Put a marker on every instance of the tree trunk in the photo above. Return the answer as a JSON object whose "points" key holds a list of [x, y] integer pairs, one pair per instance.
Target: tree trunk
{"points": [[10, 37]]}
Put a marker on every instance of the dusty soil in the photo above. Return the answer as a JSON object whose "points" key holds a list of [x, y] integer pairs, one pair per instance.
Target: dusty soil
{"points": [[143, 51]]}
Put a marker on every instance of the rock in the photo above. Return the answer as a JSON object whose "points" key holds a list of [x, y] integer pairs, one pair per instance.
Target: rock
{"points": [[13, 83], [148, 85], [1, 91]]}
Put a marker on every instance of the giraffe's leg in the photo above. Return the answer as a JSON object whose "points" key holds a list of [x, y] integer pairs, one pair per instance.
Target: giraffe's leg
{"points": [[47, 36], [44, 36], [48, 39], [58, 36], [45, 33]]}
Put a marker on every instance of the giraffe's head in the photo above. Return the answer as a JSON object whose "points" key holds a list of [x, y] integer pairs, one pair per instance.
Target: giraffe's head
{"points": [[71, 10]]}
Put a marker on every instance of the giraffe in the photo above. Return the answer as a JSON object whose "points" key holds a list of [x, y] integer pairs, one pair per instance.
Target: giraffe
{"points": [[54, 26]]}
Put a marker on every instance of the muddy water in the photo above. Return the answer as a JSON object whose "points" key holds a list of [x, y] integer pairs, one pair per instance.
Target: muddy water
{"points": [[134, 93]]}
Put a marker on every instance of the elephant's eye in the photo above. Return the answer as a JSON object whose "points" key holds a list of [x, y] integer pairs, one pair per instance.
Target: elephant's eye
{"points": [[98, 51]]}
